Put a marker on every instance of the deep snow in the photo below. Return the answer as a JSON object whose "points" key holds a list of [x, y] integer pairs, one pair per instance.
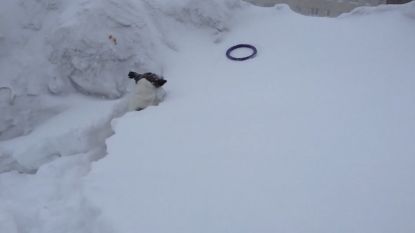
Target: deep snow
{"points": [[63, 47], [315, 134]]}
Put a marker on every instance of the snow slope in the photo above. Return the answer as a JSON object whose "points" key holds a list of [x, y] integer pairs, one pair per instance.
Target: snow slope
{"points": [[315, 134]]}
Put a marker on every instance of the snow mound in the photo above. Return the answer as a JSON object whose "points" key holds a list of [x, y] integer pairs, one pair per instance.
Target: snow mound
{"points": [[60, 47], [91, 45]]}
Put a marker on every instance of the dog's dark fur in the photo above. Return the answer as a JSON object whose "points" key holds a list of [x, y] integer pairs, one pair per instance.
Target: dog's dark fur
{"points": [[156, 80]]}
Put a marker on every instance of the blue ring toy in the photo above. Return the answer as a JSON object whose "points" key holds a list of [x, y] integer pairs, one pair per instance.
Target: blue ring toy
{"points": [[229, 51]]}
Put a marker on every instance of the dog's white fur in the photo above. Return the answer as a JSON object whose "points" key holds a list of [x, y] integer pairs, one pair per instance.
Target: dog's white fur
{"points": [[144, 95]]}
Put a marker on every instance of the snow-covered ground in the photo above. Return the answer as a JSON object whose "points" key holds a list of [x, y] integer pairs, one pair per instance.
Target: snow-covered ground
{"points": [[315, 134]]}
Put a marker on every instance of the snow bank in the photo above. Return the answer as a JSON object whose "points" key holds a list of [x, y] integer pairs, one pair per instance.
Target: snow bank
{"points": [[23, 114], [80, 128], [407, 10], [60, 47], [309, 136], [71, 41]]}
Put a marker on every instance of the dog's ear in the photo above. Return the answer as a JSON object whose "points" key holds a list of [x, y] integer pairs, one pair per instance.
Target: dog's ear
{"points": [[131, 74], [135, 76]]}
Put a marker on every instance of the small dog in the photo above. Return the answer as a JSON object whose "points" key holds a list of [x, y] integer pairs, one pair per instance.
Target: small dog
{"points": [[148, 90]]}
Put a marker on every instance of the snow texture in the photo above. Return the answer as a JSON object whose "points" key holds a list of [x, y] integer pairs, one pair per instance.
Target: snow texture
{"points": [[315, 134]]}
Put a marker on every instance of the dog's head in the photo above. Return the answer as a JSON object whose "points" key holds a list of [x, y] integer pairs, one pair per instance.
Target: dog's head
{"points": [[154, 79]]}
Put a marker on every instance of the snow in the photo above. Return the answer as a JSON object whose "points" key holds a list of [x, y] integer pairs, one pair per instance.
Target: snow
{"points": [[63, 47], [314, 134], [87, 129]]}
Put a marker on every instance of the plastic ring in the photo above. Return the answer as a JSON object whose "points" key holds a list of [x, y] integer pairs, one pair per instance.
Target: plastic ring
{"points": [[231, 49]]}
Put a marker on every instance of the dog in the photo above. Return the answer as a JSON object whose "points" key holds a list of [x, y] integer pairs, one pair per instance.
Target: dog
{"points": [[148, 90], [156, 80]]}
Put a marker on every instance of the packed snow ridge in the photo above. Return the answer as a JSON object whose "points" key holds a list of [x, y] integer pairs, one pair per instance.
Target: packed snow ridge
{"points": [[315, 134], [60, 47]]}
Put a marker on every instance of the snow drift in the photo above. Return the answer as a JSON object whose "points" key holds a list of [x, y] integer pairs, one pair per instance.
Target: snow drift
{"points": [[71, 41], [60, 47], [313, 135]]}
